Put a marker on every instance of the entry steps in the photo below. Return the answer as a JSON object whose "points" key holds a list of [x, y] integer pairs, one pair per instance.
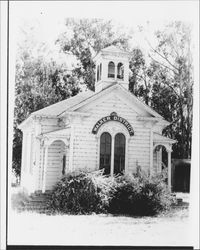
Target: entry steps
{"points": [[36, 202]]}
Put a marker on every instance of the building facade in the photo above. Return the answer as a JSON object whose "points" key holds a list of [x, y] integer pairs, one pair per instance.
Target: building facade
{"points": [[107, 129]]}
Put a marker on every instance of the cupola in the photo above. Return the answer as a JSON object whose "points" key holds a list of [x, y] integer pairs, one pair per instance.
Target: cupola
{"points": [[112, 66]]}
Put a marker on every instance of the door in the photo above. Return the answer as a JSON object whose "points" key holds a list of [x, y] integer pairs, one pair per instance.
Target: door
{"points": [[119, 157]]}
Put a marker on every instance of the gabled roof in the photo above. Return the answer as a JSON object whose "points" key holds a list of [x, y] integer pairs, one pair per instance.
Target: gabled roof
{"points": [[157, 138], [112, 48], [73, 104], [55, 109], [129, 96], [61, 106]]}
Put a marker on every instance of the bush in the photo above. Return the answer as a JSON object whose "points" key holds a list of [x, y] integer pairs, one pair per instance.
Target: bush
{"points": [[85, 193], [80, 193], [139, 195]]}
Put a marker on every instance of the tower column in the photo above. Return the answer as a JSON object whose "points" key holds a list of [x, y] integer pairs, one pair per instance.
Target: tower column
{"points": [[169, 169], [115, 70], [115, 55], [45, 168]]}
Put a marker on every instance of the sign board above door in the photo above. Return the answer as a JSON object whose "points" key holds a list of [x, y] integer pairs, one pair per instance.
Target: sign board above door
{"points": [[113, 117]]}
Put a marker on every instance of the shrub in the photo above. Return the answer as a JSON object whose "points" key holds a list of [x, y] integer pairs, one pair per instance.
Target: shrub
{"points": [[80, 193], [85, 193], [139, 195]]}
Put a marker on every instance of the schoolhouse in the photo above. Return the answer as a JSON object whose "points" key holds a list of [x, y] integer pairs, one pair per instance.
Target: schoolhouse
{"points": [[106, 129]]}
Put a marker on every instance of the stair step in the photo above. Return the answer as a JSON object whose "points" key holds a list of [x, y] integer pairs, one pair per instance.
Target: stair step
{"points": [[36, 202], [36, 205]]}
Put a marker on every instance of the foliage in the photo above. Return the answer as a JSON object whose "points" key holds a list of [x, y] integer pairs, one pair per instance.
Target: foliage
{"points": [[84, 193], [140, 80], [38, 83], [174, 48], [166, 82], [139, 195], [80, 193], [84, 38]]}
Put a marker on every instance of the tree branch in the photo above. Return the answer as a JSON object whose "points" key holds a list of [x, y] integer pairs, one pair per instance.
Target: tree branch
{"points": [[162, 56], [141, 77], [162, 64]]}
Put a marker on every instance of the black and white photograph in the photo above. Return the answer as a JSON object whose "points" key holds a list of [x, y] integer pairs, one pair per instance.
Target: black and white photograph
{"points": [[102, 124]]}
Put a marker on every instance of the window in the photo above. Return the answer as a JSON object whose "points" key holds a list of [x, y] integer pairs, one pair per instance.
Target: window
{"points": [[120, 71], [97, 73], [105, 152], [111, 70], [119, 158], [100, 71]]}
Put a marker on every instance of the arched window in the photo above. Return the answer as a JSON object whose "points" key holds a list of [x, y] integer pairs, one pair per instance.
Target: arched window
{"points": [[120, 71], [119, 157], [100, 71], [97, 73], [111, 70], [105, 152]]}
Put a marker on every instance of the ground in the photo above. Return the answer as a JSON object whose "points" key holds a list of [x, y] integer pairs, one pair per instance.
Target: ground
{"points": [[172, 229]]}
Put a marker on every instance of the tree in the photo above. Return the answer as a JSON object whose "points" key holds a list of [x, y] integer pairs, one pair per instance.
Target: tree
{"points": [[140, 79], [38, 83], [167, 82], [86, 37], [174, 48]]}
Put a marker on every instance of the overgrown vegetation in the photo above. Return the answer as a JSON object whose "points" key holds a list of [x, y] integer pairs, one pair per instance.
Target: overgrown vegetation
{"points": [[85, 193], [80, 193], [139, 195]]}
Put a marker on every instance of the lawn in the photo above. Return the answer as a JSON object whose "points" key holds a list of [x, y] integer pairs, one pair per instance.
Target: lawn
{"points": [[172, 228]]}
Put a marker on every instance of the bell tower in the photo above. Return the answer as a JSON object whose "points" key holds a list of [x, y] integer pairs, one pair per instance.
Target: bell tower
{"points": [[112, 67]]}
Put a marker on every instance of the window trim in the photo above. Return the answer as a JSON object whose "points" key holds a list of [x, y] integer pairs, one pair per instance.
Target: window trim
{"points": [[124, 149], [120, 76], [110, 154], [111, 75], [113, 128]]}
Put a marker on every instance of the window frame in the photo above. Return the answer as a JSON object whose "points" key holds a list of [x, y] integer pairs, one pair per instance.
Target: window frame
{"points": [[111, 75], [120, 67]]}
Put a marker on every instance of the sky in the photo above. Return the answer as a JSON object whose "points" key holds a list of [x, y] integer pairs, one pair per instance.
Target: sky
{"points": [[49, 16]]}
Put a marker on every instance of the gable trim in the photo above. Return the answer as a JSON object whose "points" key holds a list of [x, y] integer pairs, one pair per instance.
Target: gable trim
{"points": [[109, 89]]}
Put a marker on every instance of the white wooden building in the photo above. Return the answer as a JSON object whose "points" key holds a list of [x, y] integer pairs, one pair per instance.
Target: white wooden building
{"points": [[109, 128]]}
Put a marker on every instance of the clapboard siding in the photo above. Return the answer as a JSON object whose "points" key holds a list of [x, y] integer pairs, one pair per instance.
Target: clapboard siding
{"points": [[48, 125], [86, 145], [54, 166]]}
